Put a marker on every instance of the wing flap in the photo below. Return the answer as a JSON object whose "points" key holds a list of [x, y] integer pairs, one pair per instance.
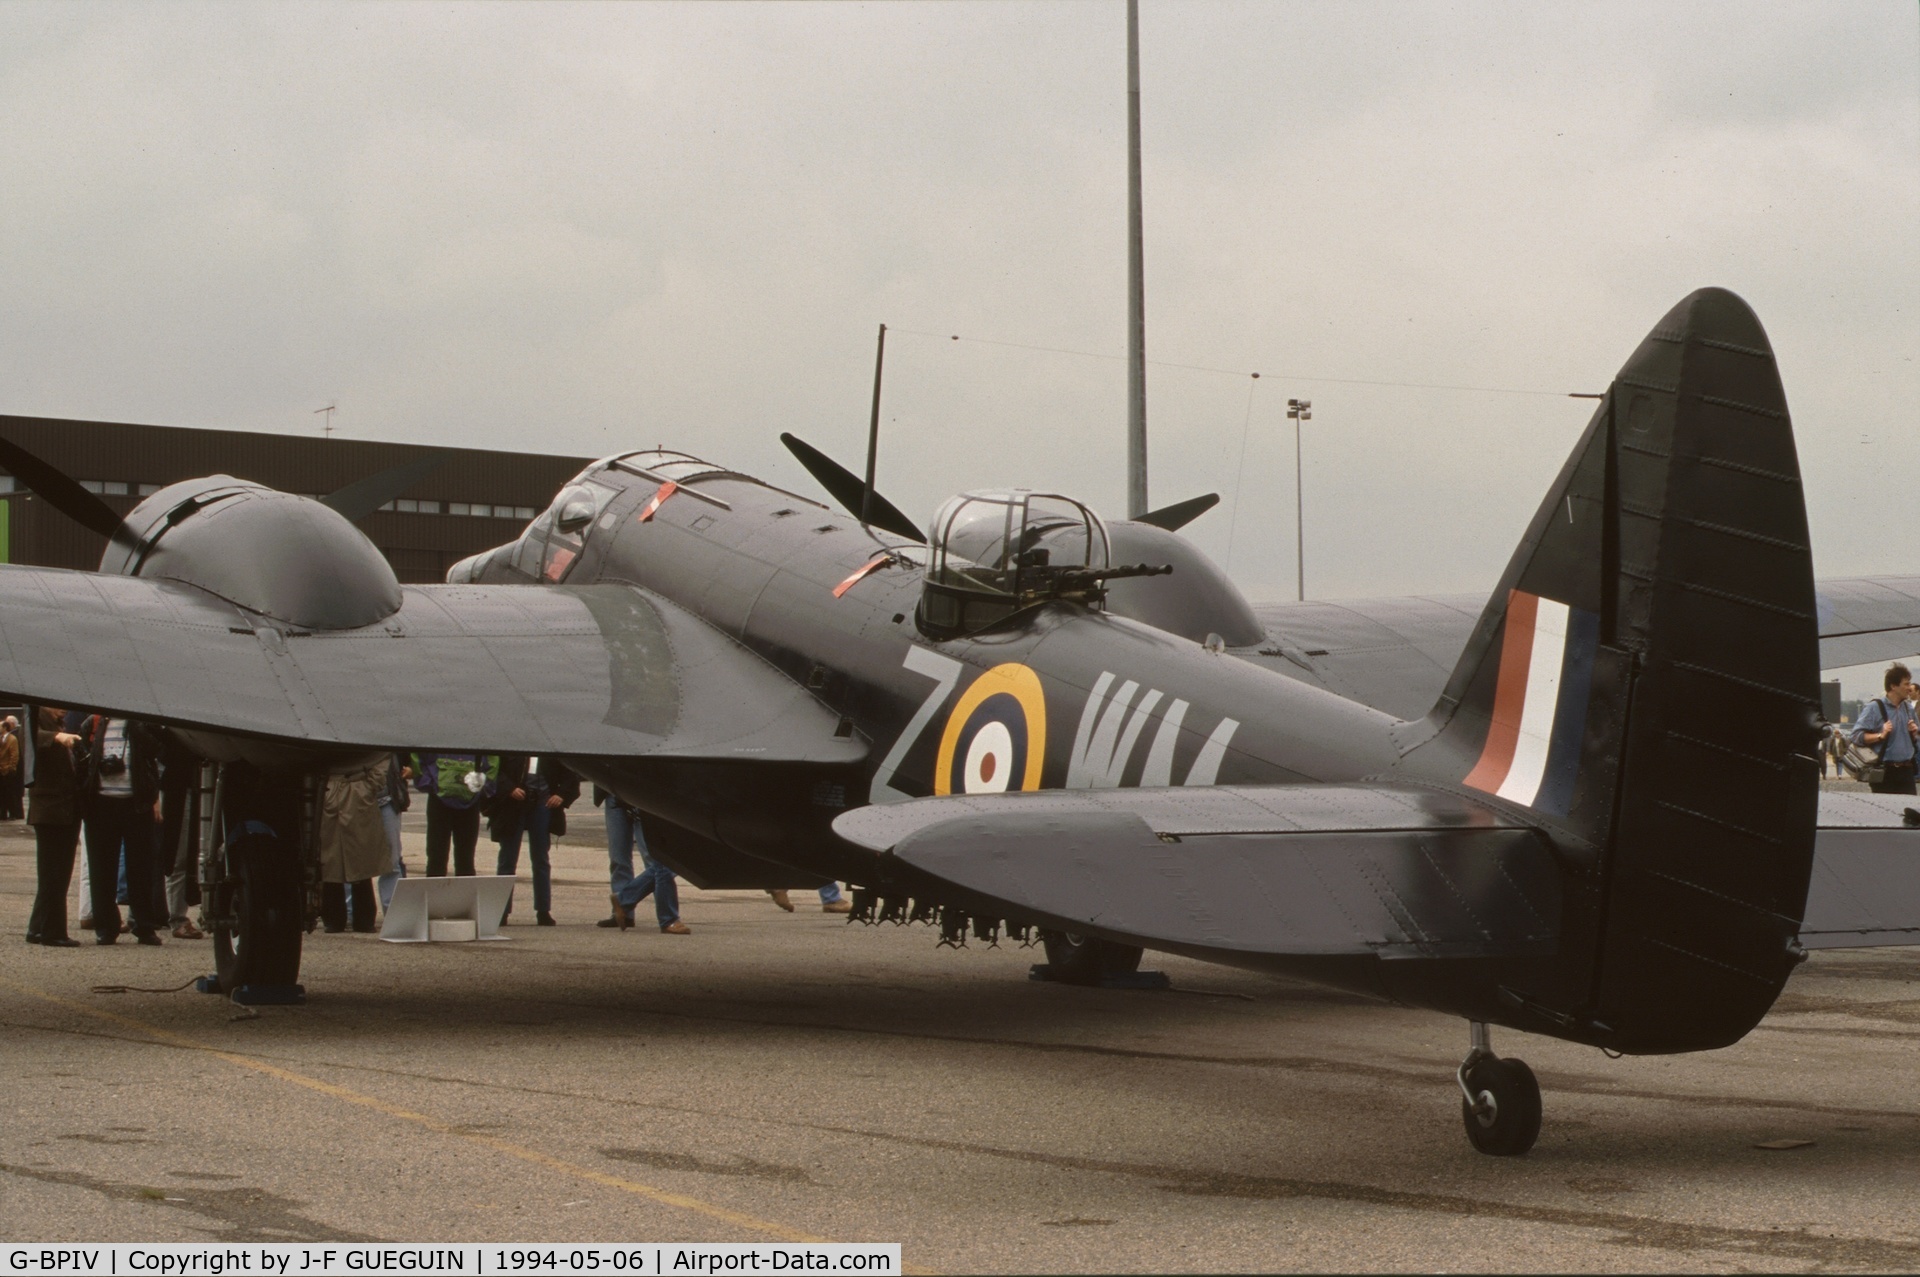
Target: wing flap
{"points": [[588, 670], [1298, 870]]}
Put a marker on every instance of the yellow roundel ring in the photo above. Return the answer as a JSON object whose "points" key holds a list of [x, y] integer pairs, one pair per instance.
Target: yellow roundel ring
{"points": [[998, 727]]}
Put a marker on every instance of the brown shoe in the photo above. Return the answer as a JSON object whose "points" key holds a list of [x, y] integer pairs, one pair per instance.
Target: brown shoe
{"points": [[780, 898], [187, 931], [837, 906], [676, 928], [621, 918]]}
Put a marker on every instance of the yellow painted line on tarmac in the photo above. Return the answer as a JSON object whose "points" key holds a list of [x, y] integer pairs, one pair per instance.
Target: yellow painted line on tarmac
{"points": [[522, 1152]]}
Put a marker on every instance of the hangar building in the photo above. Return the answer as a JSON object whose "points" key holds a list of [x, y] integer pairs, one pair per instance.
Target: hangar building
{"points": [[476, 500]]}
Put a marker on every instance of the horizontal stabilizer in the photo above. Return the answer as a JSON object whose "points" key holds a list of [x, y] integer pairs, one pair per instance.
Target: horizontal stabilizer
{"points": [[1296, 869], [572, 670], [1865, 891]]}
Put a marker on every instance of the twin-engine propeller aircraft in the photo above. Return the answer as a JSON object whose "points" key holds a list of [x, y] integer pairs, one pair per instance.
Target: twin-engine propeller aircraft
{"points": [[1586, 807]]}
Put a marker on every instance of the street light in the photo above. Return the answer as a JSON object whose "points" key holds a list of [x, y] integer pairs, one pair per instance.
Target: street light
{"points": [[1299, 410]]}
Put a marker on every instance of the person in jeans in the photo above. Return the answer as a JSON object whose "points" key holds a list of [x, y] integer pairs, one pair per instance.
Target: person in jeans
{"points": [[629, 889], [179, 774], [456, 786], [1887, 723], [53, 809], [534, 796], [119, 805], [395, 800], [831, 901]]}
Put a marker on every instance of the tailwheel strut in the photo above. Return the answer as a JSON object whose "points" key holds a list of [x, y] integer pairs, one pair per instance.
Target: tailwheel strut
{"points": [[1500, 1100]]}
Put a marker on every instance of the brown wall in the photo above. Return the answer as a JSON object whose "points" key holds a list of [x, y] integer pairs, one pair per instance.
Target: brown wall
{"points": [[421, 547]]}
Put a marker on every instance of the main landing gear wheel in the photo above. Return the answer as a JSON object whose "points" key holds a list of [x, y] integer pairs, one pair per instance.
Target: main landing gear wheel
{"points": [[1077, 959], [1500, 1100], [267, 904]]}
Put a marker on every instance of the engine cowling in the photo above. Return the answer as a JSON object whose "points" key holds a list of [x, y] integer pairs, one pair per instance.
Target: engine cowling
{"points": [[286, 557]]}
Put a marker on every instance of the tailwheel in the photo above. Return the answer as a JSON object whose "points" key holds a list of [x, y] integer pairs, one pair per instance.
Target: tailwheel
{"points": [[1500, 1100]]}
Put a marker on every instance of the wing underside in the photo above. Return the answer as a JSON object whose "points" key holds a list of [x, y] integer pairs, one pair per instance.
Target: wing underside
{"points": [[589, 670]]}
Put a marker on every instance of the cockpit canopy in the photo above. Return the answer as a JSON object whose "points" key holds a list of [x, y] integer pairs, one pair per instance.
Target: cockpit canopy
{"points": [[996, 551]]}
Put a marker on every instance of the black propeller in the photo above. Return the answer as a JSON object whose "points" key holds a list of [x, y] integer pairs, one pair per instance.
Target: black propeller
{"points": [[62, 493], [354, 502], [849, 489], [1180, 513], [363, 496]]}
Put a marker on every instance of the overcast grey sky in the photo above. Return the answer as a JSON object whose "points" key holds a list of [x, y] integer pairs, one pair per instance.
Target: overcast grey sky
{"points": [[582, 228]]}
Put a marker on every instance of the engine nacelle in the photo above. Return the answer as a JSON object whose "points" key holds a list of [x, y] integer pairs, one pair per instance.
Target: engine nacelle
{"points": [[287, 557]]}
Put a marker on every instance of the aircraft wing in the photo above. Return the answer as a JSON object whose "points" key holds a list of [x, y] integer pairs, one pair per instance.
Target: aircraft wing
{"points": [[1868, 619], [596, 669], [1395, 654], [1865, 891], [1396, 871]]}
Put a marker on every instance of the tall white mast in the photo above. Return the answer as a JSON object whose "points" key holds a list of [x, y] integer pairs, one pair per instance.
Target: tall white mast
{"points": [[1136, 291]]}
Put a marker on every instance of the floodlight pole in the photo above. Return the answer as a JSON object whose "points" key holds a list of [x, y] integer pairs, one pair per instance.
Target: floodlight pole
{"points": [[1136, 290], [1299, 410], [873, 429]]}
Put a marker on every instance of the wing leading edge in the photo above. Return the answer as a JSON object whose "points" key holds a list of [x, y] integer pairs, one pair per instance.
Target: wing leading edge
{"points": [[593, 670], [1296, 870]]}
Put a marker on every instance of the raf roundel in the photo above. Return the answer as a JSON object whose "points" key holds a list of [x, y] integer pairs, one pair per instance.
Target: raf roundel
{"points": [[996, 736]]}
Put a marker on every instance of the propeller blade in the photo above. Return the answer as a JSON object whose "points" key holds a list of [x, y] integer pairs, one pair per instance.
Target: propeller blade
{"points": [[848, 488], [62, 493], [363, 496], [1180, 513]]}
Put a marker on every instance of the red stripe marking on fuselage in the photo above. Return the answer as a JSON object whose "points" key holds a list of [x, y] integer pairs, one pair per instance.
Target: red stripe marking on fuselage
{"points": [[658, 499], [1509, 695], [878, 560]]}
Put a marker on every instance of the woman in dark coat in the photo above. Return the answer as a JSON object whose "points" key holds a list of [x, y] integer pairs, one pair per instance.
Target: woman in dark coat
{"points": [[53, 809]]}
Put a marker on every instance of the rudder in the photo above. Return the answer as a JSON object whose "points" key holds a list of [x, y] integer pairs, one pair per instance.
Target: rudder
{"points": [[1644, 682]]}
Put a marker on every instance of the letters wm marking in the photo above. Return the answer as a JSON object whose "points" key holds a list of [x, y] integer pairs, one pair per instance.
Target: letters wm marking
{"points": [[1102, 746]]}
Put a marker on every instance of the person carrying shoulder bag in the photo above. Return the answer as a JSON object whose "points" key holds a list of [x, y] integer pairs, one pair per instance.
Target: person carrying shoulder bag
{"points": [[1888, 724]]}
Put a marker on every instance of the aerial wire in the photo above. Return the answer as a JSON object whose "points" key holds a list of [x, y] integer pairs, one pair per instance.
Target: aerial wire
{"points": [[1233, 518], [1242, 372]]}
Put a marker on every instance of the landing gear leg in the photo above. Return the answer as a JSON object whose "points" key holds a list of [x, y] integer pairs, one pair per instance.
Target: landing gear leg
{"points": [[256, 901], [1500, 1100]]}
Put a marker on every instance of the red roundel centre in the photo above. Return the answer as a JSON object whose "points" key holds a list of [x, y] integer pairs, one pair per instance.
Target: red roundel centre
{"points": [[987, 766]]}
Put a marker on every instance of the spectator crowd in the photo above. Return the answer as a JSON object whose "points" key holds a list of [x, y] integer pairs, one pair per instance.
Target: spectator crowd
{"points": [[109, 801]]}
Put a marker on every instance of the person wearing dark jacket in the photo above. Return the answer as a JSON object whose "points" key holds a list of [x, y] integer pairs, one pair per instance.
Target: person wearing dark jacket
{"points": [[119, 804], [534, 795], [11, 757], [53, 809]]}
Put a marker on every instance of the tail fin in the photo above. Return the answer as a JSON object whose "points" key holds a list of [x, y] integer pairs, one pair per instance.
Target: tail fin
{"points": [[1645, 682]]}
